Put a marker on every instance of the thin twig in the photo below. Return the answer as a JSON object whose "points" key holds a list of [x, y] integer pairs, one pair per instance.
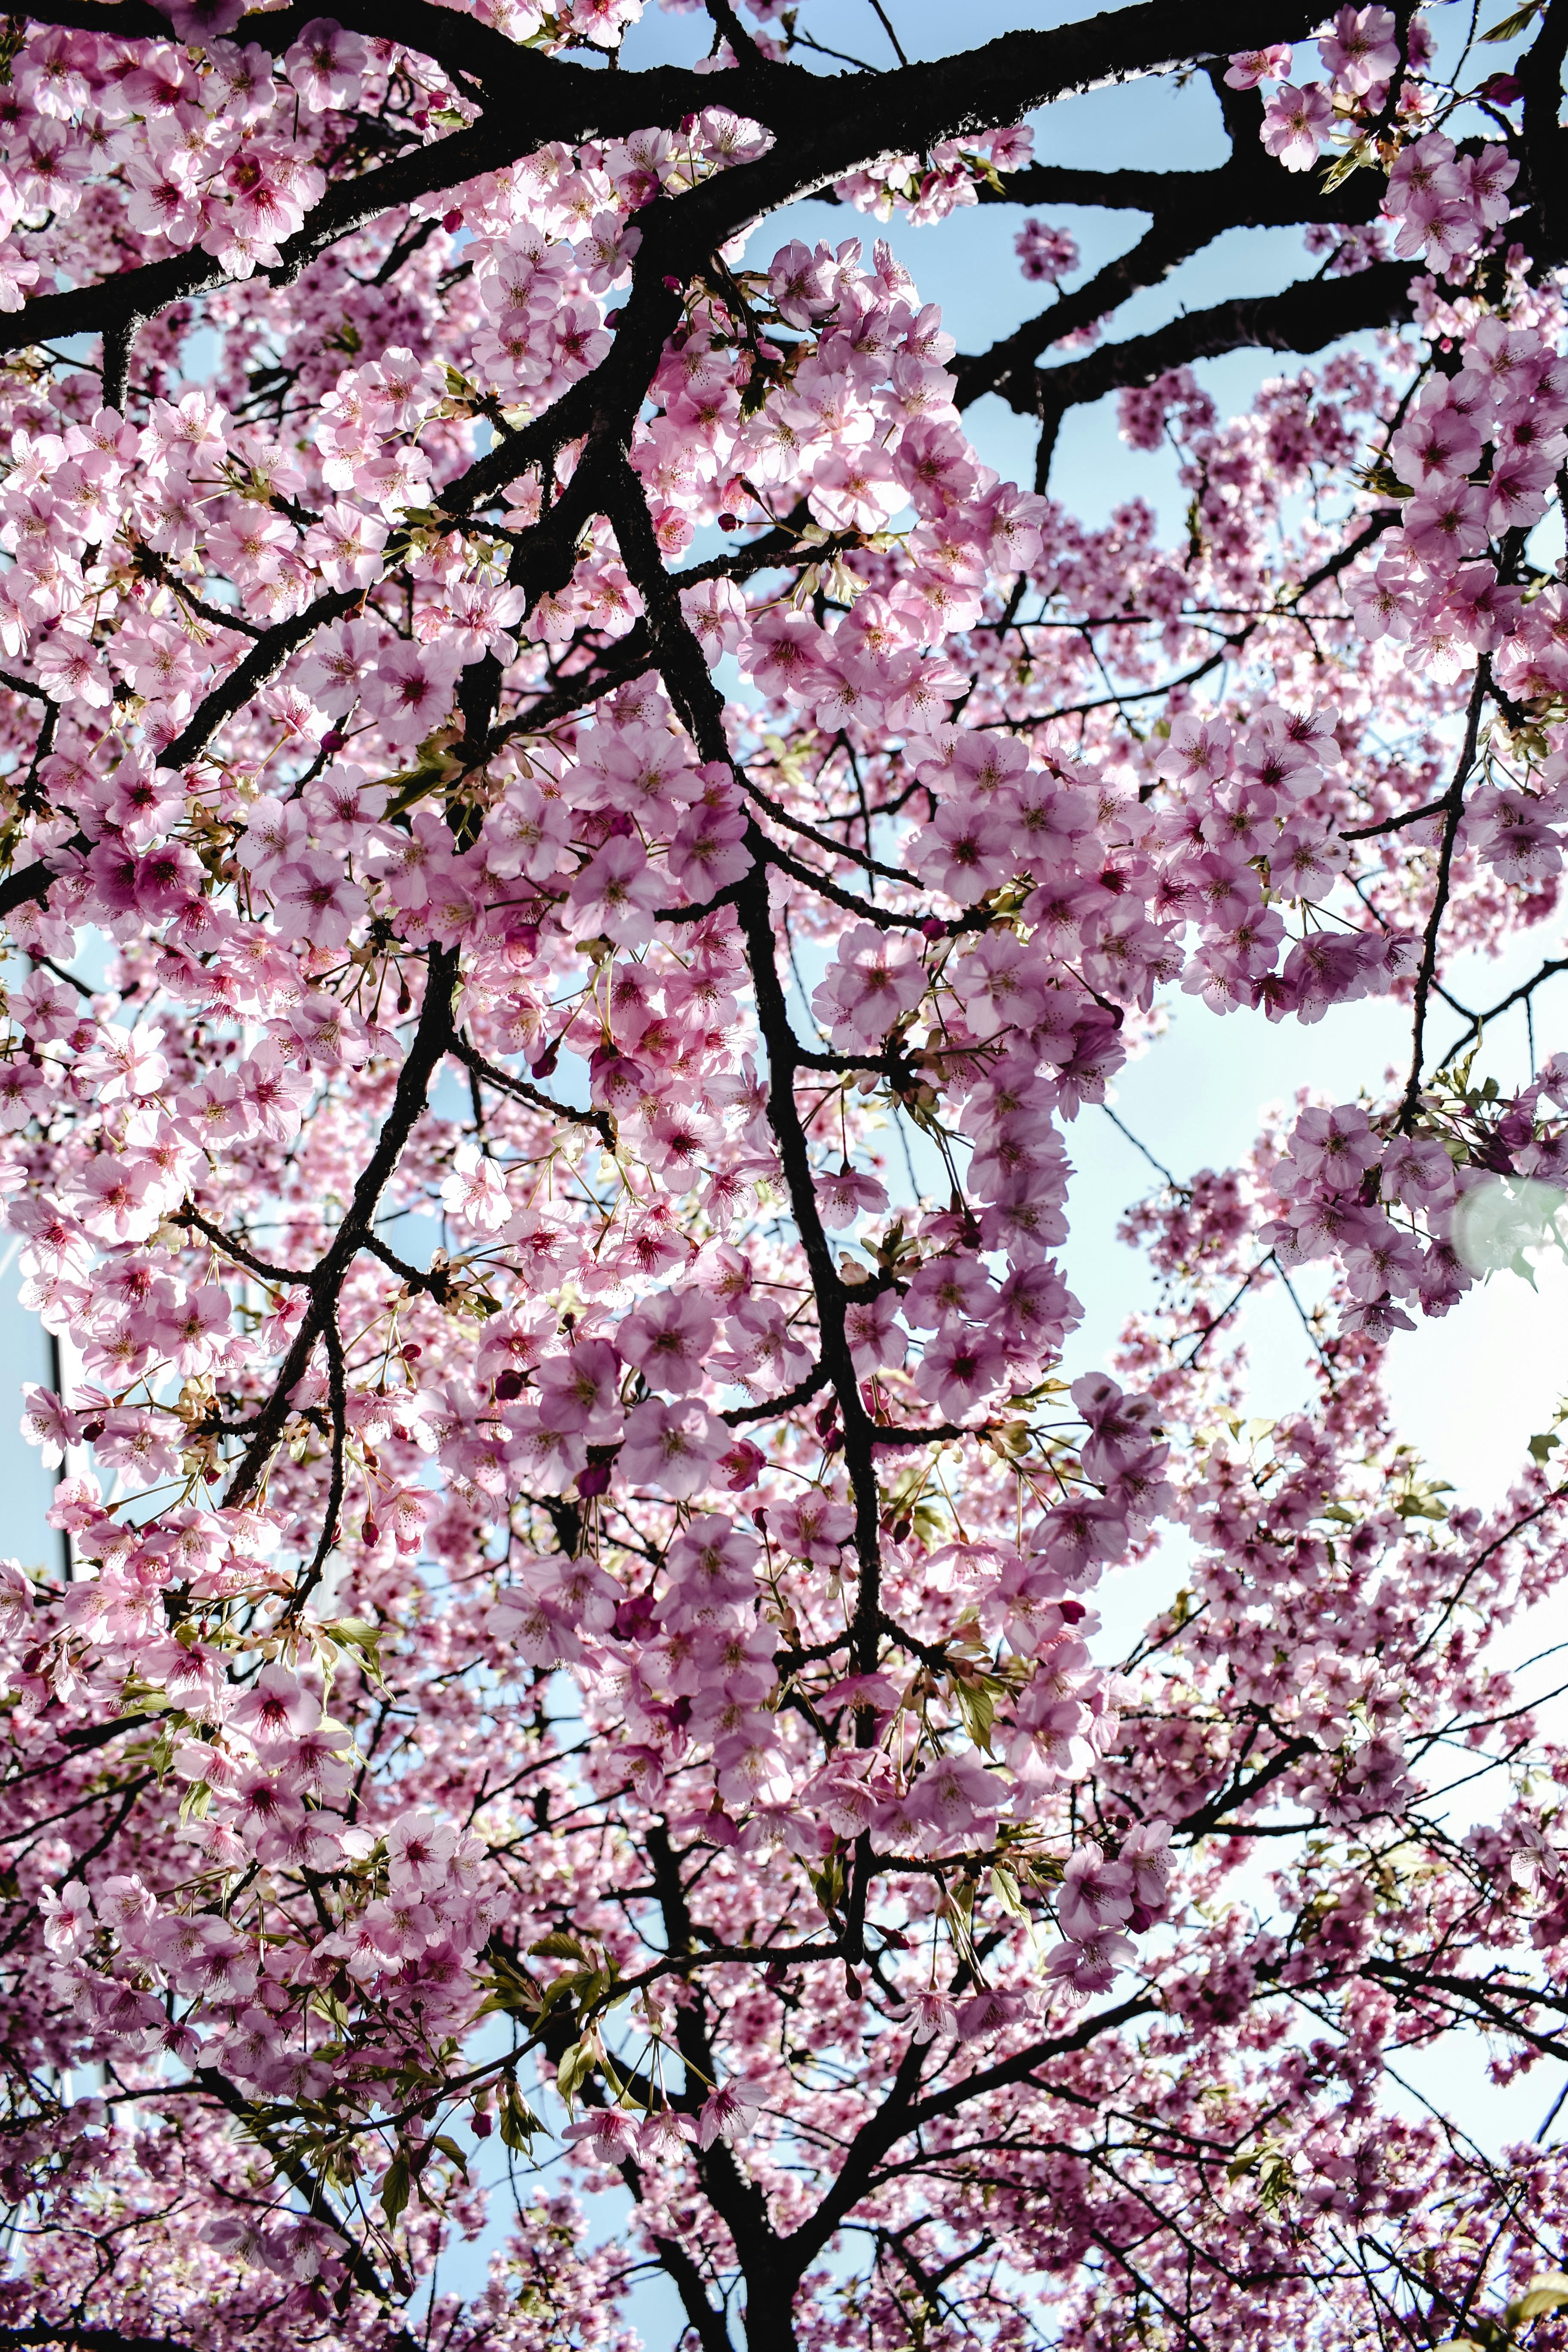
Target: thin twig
{"points": [[602, 1121], [1158, 1165], [1454, 803]]}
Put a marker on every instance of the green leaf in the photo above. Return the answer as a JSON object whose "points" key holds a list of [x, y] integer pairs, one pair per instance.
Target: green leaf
{"points": [[450, 2147], [1508, 28], [518, 2121], [1547, 2293], [394, 2188], [558, 1945], [1353, 160], [1542, 1446], [755, 390], [566, 1987], [511, 1990], [1005, 1887], [357, 1634], [1276, 2181], [828, 1882], [576, 2066], [977, 1702], [1420, 1501]]}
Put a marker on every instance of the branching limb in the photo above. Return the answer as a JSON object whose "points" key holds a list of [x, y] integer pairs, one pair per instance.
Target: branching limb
{"points": [[1522, 994], [1304, 318], [602, 1121], [431, 1038], [802, 1392], [190, 1216], [1454, 806]]}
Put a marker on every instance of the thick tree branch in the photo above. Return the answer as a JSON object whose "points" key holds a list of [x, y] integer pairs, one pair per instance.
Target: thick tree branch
{"points": [[902, 2114], [115, 307], [823, 128], [1305, 317], [259, 668], [29, 885], [1189, 213]]}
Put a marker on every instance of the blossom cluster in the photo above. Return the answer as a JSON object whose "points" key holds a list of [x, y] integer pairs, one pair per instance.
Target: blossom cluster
{"points": [[575, 858]]}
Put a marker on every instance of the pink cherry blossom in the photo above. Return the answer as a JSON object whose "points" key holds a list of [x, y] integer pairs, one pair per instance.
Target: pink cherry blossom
{"points": [[1295, 123], [599, 913]]}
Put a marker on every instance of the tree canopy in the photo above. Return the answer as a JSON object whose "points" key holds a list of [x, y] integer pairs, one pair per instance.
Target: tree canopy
{"points": [[573, 858]]}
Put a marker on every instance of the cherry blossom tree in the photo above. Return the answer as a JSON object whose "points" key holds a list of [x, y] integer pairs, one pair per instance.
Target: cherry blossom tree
{"points": [[573, 858]]}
